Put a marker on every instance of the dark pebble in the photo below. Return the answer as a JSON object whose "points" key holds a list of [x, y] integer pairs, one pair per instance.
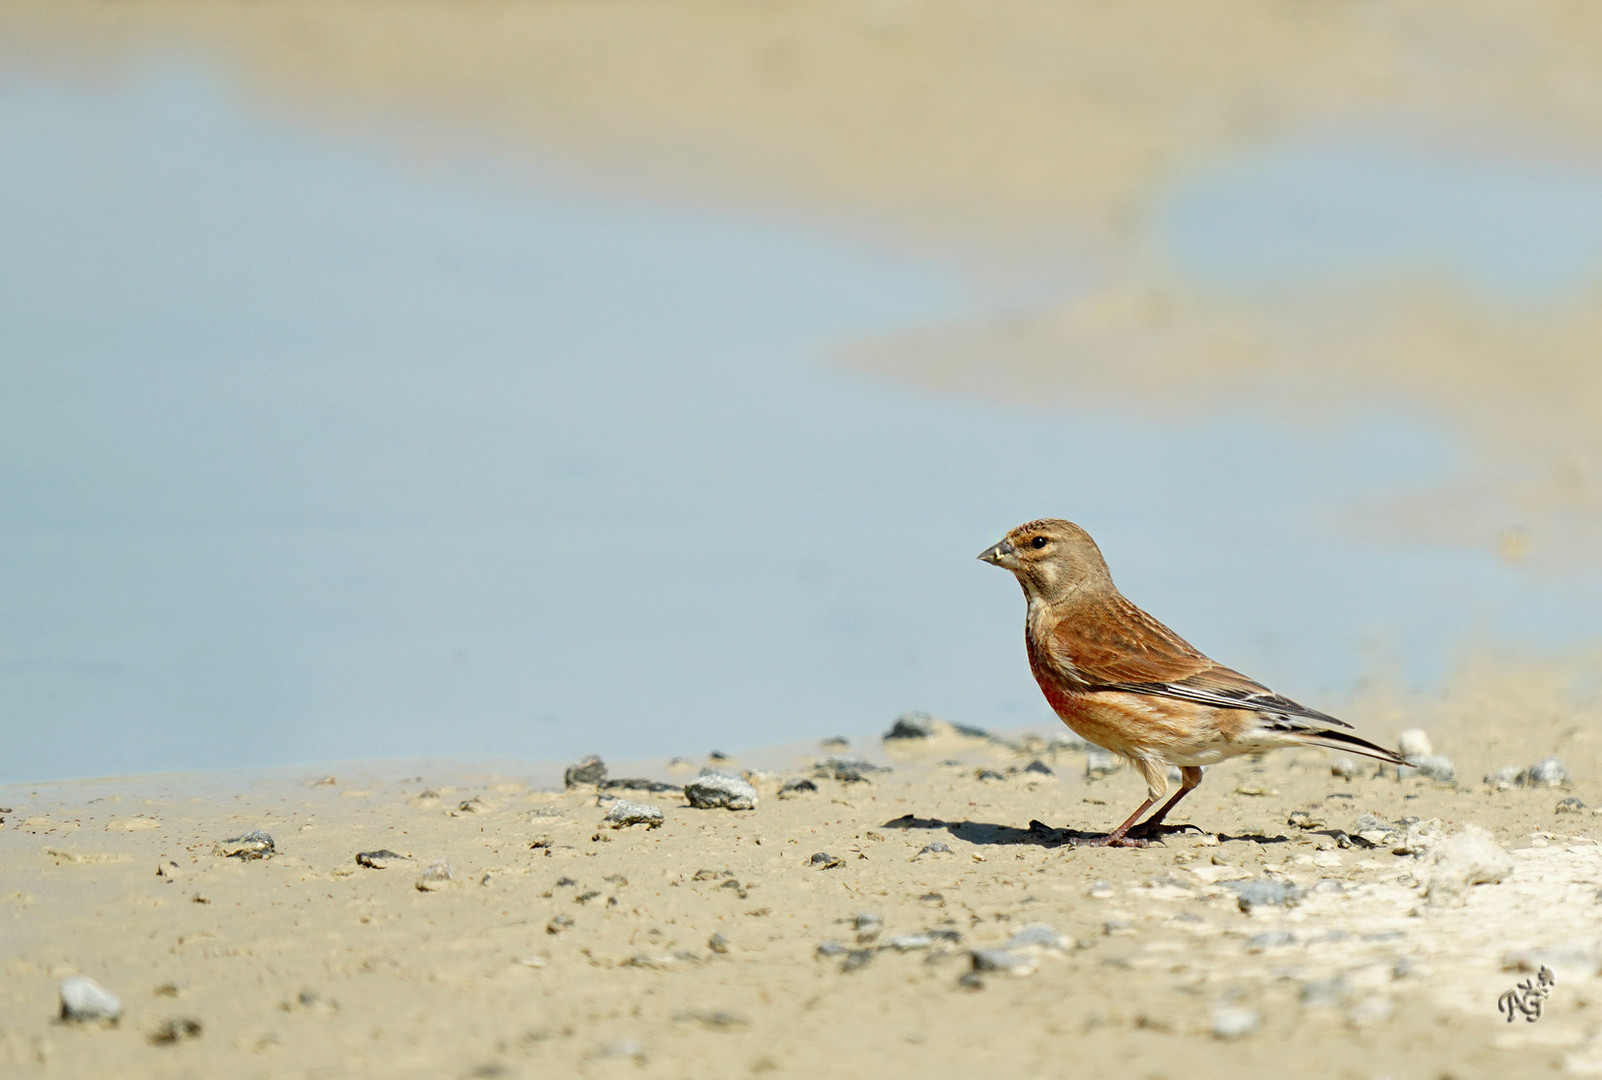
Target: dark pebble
{"points": [[253, 845], [795, 786], [634, 783], [589, 770], [822, 860], [179, 1029], [1040, 767], [378, 860]]}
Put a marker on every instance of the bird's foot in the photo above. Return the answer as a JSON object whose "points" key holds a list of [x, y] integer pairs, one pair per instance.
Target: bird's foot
{"points": [[1111, 840]]}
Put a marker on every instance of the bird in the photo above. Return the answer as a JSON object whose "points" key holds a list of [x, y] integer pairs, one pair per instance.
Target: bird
{"points": [[1124, 681]]}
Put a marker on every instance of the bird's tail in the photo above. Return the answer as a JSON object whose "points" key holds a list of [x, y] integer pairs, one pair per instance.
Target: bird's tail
{"points": [[1345, 740]]}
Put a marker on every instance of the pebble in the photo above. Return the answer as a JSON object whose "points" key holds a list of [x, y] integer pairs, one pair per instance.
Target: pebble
{"points": [[1434, 767], [795, 786], [1549, 772], [988, 774], [179, 1029], [1305, 819], [624, 813], [1344, 767], [1503, 778], [1039, 936], [253, 845], [1414, 742], [909, 942], [939, 847], [714, 790], [1040, 767], [832, 948], [83, 999], [1462, 861], [867, 925], [822, 860], [379, 860], [718, 944], [558, 924], [1265, 892], [590, 770], [1570, 805], [1270, 939], [857, 958], [635, 783], [1099, 763], [1235, 1023], [434, 877], [1004, 962], [917, 725], [1100, 890], [847, 768]]}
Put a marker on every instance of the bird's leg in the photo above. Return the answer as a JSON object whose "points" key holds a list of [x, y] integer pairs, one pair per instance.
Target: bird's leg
{"points": [[1190, 777], [1119, 837]]}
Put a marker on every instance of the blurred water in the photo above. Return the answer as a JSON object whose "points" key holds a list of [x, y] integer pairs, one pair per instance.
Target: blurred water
{"points": [[311, 455], [1352, 204]]}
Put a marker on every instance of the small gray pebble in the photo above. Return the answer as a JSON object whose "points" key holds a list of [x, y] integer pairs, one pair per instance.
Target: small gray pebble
{"points": [[590, 770], [823, 861], [1344, 767], [1505, 777], [1549, 772], [379, 860], [625, 813], [1235, 1023], [1570, 805], [1266, 892], [1270, 939], [178, 1029], [718, 943], [846, 768], [83, 999], [939, 847], [1001, 960], [909, 942], [857, 958], [867, 925], [988, 774], [1434, 767], [714, 790], [253, 845], [970, 980], [653, 787], [832, 948], [558, 924], [795, 786], [1040, 767]]}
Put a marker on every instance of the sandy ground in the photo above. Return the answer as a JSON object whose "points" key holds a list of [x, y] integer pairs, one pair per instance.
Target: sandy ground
{"points": [[561, 945]]}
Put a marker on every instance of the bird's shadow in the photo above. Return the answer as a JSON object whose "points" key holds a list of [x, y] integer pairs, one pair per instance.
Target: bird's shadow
{"points": [[1042, 835]]}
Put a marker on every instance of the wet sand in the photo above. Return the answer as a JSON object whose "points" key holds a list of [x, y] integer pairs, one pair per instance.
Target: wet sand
{"points": [[561, 945]]}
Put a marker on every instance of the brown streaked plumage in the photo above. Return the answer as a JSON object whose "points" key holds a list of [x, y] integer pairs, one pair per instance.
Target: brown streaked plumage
{"points": [[1124, 681]]}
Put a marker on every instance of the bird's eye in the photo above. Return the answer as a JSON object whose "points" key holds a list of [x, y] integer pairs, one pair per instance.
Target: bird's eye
{"points": [[1039, 542]]}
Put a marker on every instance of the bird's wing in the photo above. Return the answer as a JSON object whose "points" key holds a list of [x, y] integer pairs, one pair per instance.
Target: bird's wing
{"points": [[1117, 646]]}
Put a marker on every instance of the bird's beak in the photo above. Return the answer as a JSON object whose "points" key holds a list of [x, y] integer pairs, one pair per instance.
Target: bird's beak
{"points": [[1002, 555]]}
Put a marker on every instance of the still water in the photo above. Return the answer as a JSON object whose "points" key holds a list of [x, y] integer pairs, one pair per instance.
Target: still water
{"points": [[311, 453]]}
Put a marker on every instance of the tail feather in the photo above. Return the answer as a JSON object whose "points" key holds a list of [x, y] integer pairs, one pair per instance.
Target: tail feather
{"points": [[1345, 740]]}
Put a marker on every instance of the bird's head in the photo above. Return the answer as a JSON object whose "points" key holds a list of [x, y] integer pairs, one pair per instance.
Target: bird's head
{"points": [[1052, 559]]}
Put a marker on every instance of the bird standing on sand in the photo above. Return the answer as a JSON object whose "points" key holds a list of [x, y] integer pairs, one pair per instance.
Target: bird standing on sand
{"points": [[1124, 681]]}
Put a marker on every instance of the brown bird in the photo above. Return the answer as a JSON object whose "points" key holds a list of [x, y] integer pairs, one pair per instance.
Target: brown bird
{"points": [[1124, 681]]}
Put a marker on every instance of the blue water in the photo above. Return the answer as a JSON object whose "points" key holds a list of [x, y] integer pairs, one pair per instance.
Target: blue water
{"points": [[308, 453], [1331, 207]]}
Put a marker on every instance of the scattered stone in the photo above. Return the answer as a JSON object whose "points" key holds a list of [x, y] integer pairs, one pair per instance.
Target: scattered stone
{"points": [[1264, 892], [179, 1029], [1414, 742], [470, 806], [718, 944], [834, 742], [1460, 862], [84, 1000], [714, 790], [1344, 767], [379, 860], [847, 768], [1038, 936], [711, 875], [857, 958], [867, 925], [939, 847], [795, 786], [1039, 767], [822, 860], [908, 942], [558, 924], [253, 845], [1100, 763], [917, 725], [1270, 939], [1570, 805], [1235, 1023], [970, 980], [1547, 773], [624, 813], [831, 948], [1004, 962], [1305, 819], [590, 771], [1434, 767], [652, 787], [988, 774], [718, 755], [1504, 778], [435, 877], [717, 1019]]}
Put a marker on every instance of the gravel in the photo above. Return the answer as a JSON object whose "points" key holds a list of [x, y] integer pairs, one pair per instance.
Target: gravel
{"points": [[1547, 773], [624, 813], [1265, 892], [84, 1000], [589, 771], [714, 790], [251, 846], [796, 785]]}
